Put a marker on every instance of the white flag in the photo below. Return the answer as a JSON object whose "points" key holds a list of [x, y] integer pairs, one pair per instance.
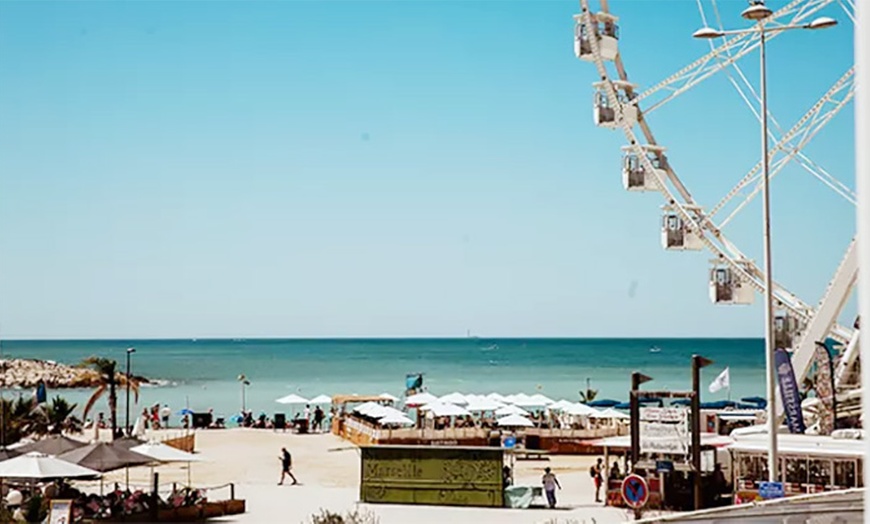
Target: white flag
{"points": [[721, 382]]}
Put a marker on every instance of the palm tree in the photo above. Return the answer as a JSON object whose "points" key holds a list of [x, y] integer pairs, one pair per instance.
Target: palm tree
{"points": [[55, 418], [588, 395], [107, 380]]}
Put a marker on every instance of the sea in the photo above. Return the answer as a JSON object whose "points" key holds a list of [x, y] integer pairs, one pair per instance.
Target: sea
{"points": [[204, 374]]}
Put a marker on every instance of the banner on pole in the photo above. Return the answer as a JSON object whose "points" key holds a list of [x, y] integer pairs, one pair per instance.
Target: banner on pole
{"points": [[788, 388]]}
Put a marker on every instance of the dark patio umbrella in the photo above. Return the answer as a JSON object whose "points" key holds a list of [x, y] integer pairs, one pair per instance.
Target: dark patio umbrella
{"points": [[54, 445], [104, 457], [6, 454], [127, 442]]}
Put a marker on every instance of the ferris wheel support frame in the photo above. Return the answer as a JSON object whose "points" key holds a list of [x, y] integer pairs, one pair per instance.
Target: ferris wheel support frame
{"points": [[821, 322]]}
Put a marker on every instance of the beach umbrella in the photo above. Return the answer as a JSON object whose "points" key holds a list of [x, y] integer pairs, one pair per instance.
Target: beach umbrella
{"points": [[100, 456], [39, 466], [610, 413], [163, 453], [54, 445], [127, 442], [420, 398], [446, 410], [559, 405], [514, 421], [396, 419], [454, 398], [483, 404], [497, 397], [543, 399], [322, 399], [7, 453], [186, 411], [292, 398], [387, 396], [603, 403], [580, 410], [510, 410]]}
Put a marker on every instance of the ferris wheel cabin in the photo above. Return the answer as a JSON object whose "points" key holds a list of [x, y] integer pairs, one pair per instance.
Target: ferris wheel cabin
{"points": [[786, 328], [635, 175], [677, 235], [606, 31], [605, 114], [729, 287]]}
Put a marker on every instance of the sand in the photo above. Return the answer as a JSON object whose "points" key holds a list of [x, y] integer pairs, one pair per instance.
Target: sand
{"points": [[328, 470]]}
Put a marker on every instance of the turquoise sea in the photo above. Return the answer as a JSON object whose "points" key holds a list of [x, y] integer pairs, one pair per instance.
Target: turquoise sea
{"points": [[203, 373]]}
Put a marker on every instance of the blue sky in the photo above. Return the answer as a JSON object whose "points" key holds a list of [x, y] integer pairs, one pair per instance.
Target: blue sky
{"points": [[196, 169]]}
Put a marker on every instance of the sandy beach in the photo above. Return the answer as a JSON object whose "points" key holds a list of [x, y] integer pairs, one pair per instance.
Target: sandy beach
{"points": [[328, 471]]}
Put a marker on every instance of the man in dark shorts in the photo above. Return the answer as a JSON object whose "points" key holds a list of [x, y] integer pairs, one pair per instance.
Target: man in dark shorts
{"points": [[286, 466]]}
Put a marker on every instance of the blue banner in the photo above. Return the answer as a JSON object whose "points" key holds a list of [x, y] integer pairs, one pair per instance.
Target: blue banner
{"points": [[40, 394], [788, 389], [413, 382]]}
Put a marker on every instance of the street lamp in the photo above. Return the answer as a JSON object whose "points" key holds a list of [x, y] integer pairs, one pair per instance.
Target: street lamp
{"points": [[130, 351], [758, 12], [244, 382]]}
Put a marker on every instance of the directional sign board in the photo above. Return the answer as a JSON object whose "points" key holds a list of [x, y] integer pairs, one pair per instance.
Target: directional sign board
{"points": [[771, 490], [635, 491], [664, 430]]}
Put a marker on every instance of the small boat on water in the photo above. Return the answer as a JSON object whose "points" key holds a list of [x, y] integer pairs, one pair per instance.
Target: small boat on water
{"points": [[655, 349]]}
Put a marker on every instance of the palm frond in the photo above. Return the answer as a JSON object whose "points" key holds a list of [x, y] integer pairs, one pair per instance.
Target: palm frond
{"points": [[95, 396]]}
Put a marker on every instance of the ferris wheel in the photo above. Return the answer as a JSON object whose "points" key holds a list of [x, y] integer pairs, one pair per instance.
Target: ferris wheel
{"points": [[687, 225]]}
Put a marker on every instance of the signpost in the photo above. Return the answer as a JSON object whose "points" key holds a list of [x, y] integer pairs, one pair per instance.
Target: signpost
{"points": [[771, 490], [664, 430], [635, 491]]}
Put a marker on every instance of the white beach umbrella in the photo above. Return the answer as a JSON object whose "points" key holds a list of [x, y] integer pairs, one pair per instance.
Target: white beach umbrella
{"points": [[528, 402], [543, 399], [292, 398], [514, 421], [368, 408], [454, 398], [483, 404], [559, 405], [387, 411], [510, 410], [498, 397], [446, 410], [321, 399], [397, 419], [420, 399], [163, 453], [610, 413], [580, 410], [35, 465], [387, 396]]}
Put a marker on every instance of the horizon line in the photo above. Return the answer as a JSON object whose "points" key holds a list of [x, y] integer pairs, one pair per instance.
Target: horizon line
{"points": [[371, 338]]}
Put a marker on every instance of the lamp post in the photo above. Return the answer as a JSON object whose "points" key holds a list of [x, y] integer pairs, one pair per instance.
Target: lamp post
{"points": [[759, 13], [243, 380], [698, 362], [130, 351]]}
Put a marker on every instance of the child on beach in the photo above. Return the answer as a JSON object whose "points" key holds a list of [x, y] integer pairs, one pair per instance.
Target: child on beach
{"points": [[286, 465], [550, 483]]}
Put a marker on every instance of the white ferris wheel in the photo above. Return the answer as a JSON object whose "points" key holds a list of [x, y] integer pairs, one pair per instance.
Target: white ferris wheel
{"points": [[687, 225]]}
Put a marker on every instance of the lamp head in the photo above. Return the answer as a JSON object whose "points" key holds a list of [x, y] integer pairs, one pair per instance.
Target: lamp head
{"points": [[756, 12], [822, 22], [707, 32], [131, 350]]}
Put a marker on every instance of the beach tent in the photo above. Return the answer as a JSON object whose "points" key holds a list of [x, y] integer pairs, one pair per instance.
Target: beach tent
{"points": [[39, 466], [510, 410], [293, 398], [387, 396], [54, 445], [445, 410], [420, 399], [514, 421], [454, 398], [321, 399], [483, 404]]}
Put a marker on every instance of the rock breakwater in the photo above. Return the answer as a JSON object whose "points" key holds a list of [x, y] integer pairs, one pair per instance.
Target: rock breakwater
{"points": [[27, 373]]}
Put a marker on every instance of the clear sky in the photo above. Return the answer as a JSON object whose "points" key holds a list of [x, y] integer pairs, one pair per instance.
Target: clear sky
{"points": [[417, 168]]}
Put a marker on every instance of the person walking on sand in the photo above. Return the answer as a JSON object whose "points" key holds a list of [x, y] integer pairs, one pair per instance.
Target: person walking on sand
{"points": [[286, 466], [550, 483], [595, 471]]}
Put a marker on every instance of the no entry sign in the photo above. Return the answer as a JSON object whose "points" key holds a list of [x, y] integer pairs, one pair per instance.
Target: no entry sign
{"points": [[635, 491]]}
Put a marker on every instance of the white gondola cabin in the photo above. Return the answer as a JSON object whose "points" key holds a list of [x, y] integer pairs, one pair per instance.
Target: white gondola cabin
{"points": [[677, 234], [635, 175], [606, 31], [604, 113], [786, 328], [729, 287]]}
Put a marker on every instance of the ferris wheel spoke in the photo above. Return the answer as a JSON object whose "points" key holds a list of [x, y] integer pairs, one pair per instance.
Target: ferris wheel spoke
{"points": [[805, 129], [727, 53]]}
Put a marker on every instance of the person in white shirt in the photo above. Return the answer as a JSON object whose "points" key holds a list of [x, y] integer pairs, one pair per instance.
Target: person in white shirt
{"points": [[550, 483], [164, 414], [307, 413]]}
